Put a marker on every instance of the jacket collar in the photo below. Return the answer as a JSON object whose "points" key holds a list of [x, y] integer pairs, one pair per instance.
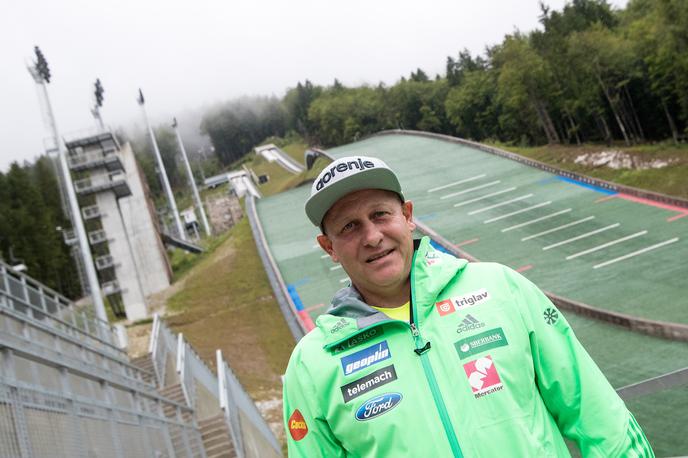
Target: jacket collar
{"points": [[431, 271]]}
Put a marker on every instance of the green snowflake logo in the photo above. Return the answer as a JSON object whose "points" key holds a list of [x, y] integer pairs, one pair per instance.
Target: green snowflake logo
{"points": [[551, 316]]}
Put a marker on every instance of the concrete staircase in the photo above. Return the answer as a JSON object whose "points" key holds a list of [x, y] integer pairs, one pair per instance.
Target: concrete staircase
{"points": [[145, 363], [216, 437]]}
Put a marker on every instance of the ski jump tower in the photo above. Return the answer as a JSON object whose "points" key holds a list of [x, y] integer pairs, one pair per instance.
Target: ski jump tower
{"points": [[127, 249]]}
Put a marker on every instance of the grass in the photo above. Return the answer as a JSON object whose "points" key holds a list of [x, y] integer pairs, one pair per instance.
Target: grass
{"points": [[671, 180], [280, 179], [227, 303], [183, 261]]}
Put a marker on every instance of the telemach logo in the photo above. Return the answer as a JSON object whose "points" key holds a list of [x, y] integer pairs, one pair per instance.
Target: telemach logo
{"points": [[371, 381], [470, 323], [342, 168]]}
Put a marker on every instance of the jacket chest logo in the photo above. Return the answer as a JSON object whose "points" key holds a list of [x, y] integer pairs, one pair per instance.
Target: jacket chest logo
{"points": [[365, 358], [453, 304]]}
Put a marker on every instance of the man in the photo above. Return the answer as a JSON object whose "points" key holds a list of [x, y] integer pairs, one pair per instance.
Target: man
{"points": [[427, 355]]}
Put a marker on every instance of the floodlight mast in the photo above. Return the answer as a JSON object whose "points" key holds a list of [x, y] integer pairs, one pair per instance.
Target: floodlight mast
{"points": [[41, 74], [161, 167], [98, 97], [197, 197]]}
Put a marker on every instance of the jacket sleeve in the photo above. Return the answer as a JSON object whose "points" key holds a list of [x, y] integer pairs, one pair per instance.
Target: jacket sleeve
{"points": [[312, 438], [583, 403]]}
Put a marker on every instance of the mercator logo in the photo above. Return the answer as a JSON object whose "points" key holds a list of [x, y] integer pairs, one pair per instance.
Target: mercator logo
{"points": [[377, 406], [365, 358], [482, 376], [469, 323], [343, 168]]}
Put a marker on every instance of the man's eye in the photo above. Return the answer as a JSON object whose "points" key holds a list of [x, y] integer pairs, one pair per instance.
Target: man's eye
{"points": [[348, 227], [379, 214]]}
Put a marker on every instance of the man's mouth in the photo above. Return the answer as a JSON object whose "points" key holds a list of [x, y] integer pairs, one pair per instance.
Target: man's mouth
{"points": [[379, 255]]}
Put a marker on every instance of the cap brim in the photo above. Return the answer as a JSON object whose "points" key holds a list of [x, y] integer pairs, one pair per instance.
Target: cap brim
{"points": [[380, 178]]}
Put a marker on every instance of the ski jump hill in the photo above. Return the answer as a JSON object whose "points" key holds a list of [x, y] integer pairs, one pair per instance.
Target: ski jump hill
{"points": [[612, 257]]}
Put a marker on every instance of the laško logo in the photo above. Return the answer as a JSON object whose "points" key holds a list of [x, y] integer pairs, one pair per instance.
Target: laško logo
{"points": [[297, 426], [482, 376], [342, 168]]}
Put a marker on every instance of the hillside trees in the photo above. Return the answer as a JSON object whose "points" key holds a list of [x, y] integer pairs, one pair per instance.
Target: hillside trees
{"points": [[30, 226], [236, 126]]}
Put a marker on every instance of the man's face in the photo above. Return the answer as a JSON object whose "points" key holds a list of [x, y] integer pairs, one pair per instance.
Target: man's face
{"points": [[369, 233]]}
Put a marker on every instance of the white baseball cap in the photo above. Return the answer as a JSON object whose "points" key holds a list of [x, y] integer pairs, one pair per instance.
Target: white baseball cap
{"points": [[344, 176]]}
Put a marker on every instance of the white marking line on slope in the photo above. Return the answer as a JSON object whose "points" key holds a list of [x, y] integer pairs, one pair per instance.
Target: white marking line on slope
{"points": [[338, 266], [466, 180], [315, 246], [582, 236], [558, 228], [344, 280], [605, 245], [542, 218], [325, 256], [532, 207], [466, 202], [506, 202], [491, 183], [636, 253]]}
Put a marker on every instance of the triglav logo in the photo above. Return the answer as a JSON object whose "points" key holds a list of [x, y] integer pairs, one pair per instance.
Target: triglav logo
{"points": [[482, 376], [471, 299], [469, 323], [343, 167], [445, 307], [377, 406], [365, 358]]}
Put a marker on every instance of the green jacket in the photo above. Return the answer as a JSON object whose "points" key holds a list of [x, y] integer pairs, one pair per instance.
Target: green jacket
{"points": [[487, 367]]}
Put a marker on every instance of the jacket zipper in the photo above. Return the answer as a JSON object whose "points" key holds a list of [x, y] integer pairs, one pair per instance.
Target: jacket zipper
{"points": [[422, 351]]}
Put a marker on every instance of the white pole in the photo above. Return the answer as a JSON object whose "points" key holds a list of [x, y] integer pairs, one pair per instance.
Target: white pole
{"points": [[78, 223], [165, 181], [197, 197]]}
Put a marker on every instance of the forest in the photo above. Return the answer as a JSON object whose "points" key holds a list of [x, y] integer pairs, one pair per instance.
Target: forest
{"points": [[589, 74]]}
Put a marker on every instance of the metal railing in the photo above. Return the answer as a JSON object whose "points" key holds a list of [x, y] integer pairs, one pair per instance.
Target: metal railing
{"points": [[209, 394], [250, 433], [105, 157], [22, 294], [287, 306], [199, 383], [163, 350]]}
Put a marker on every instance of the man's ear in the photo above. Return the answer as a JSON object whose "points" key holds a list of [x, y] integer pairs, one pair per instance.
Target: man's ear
{"points": [[407, 211], [326, 244]]}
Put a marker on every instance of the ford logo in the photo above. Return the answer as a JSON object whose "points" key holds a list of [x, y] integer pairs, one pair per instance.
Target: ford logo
{"points": [[377, 406]]}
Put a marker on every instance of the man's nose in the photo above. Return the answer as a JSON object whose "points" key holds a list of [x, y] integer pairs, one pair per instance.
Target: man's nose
{"points": [[372, 236]]}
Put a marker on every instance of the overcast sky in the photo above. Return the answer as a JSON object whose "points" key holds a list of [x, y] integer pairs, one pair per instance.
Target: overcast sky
{"points": [[189, 54]]}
